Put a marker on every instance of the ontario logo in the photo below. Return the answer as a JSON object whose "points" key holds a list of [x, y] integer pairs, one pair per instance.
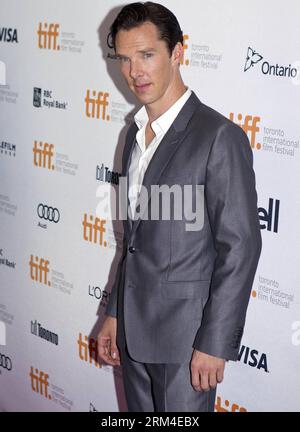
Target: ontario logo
{"points": [[267, 68], [252, 58]]}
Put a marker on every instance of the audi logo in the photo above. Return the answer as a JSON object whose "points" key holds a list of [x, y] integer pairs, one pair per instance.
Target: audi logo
{"points": [[5, 362], [48, 213]]}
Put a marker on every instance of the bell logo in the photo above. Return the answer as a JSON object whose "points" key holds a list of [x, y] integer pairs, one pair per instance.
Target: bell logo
{"points": [[252, 358], [270, 216], [42, 155], [185, 47], [93, 230], [39, 382], [95, 105], [47, 36], [228, 406], [39, 269], [88, 350], [249, 126]]}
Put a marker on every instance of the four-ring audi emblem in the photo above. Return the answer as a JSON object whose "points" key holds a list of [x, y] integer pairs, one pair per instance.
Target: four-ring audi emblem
{"points": [[48, 213]]}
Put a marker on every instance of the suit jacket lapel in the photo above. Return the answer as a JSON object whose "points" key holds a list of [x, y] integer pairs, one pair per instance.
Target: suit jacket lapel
{"points": [[128, 150]]}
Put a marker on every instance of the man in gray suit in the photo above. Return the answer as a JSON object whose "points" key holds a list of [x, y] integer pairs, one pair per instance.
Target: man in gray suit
{"points": [[177, 310]]}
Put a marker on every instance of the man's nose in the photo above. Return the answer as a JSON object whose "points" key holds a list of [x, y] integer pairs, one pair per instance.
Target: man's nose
{"points": [[135, 69]]}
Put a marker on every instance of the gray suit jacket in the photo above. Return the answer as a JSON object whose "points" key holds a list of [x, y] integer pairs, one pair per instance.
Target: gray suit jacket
{"points": [[175, 289]]}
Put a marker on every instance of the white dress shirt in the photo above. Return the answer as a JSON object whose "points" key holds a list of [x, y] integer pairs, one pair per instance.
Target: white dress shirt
{"points": [[141, 155]]}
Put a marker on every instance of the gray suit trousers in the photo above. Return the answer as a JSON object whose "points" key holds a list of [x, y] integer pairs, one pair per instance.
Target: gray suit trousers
{"points": [[162, 387]]}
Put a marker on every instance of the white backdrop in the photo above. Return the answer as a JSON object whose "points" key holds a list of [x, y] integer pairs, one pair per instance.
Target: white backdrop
{"points": [[58, 257]]}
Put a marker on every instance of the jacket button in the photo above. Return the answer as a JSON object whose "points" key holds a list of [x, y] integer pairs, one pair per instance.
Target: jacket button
{"points": [[131, 249]]}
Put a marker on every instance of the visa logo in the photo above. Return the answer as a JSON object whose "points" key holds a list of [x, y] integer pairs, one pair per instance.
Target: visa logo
{"points": [[253, 358]]}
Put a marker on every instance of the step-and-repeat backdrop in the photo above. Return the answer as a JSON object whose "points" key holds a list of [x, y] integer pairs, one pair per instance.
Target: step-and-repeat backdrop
{"points": [[64, 114]]}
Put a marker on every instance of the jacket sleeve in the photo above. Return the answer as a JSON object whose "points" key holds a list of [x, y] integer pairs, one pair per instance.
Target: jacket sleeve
{"points": [[111, 308], [231, 201]]}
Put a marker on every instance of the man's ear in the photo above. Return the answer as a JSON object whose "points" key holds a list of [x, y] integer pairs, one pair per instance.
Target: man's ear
{"points": [[177, 54]]}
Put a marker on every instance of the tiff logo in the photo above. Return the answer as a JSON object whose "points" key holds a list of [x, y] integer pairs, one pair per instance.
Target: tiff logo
{"points": [[2, 333], [228, 406], [39, 382], [185, 47], [47, 36], [249, 126], [95, 105], [39, 269], [42, 155], [93, 230], [88, 350]]}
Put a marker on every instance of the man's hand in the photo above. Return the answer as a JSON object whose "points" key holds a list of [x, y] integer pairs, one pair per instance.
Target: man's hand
{"points": [[107, 342], [206, 371]]}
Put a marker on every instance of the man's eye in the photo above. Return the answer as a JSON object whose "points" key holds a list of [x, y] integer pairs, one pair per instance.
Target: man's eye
{"points": [[123, 59], [148, 55]]}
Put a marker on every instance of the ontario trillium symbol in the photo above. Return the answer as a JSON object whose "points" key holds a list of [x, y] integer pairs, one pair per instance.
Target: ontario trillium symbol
{"points": [[252, 58]]}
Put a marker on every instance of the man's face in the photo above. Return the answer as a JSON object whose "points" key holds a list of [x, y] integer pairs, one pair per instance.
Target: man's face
{"points": [[146, 63]]}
